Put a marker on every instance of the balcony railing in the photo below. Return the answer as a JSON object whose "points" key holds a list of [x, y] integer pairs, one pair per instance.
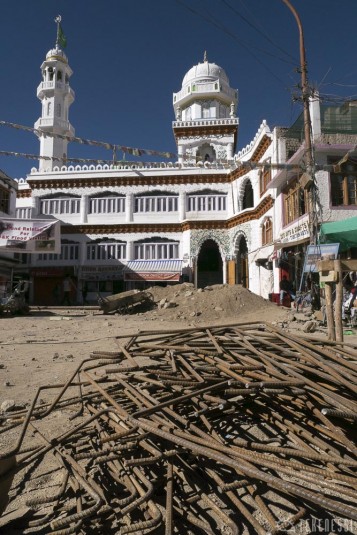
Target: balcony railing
{"points": [[156, 204], [156, 251], [59, 206], [68, 252], [206, 203], [106, 251], [207, 122], [106, 205]]}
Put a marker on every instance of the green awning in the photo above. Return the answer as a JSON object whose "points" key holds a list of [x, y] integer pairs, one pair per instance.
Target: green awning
{"points": [[343, 232]]}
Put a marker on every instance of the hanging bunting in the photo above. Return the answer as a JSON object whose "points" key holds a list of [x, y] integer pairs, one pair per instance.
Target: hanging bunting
{"points": [[75, 139]]}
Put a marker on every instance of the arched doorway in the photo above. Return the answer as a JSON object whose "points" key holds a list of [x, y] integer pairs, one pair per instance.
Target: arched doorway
{"points": [[242, 263], [209, 265]]}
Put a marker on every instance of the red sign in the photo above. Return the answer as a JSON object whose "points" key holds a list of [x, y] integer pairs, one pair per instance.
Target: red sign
{"points": [[132, 276]]}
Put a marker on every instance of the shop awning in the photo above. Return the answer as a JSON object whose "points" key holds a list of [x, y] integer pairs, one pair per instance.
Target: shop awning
{"points": [[263, 254], [342, 232], [153, 270]]}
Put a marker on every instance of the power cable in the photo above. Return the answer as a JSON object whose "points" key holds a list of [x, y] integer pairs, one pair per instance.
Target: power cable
{"points": [[213, 22], [262, 33]]}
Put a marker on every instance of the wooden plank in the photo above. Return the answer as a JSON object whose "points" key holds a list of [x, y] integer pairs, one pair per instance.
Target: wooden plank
{"points": [[328, 265]]}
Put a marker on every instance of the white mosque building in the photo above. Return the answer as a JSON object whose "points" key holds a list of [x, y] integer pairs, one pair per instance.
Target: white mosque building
{"points": [[203, 218]]}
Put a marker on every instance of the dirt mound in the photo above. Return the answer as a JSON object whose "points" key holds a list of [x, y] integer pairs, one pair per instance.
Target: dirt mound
{"points": [[221, 301]]}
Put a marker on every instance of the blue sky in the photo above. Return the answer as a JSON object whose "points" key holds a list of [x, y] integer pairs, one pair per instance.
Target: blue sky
{"points": [[128, 58]]}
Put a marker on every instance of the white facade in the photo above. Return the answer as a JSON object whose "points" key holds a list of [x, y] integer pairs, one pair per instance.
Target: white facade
{"points": [[217, 213]]}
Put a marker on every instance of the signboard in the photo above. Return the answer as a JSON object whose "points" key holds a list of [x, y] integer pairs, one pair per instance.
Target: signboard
{"points": [[95, 273], [295, 233], [315, 253], [30, 236]]}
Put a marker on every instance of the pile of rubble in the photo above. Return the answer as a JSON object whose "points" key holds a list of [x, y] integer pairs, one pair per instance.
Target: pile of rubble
{"points": [[183, 301]]}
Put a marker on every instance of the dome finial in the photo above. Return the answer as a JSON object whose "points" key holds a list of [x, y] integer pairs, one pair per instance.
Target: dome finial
{"points": [[205, 56], [61, 41]]}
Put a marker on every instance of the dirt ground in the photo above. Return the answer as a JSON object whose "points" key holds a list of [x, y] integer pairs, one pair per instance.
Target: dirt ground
{"points": [[46, 346]]}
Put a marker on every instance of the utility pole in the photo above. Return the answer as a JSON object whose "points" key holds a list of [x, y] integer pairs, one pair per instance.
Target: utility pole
{"points": [[309, 181]]}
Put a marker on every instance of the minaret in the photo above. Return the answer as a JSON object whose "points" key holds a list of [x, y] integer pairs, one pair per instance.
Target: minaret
{"points": [[56, 96], [206, 125]]}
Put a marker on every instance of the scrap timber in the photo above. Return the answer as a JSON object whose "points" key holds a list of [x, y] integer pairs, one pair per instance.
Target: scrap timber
{"points": [[223, 429]]}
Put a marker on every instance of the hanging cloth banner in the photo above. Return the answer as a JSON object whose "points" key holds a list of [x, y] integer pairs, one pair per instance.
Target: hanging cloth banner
{"points": [[30, 236]]}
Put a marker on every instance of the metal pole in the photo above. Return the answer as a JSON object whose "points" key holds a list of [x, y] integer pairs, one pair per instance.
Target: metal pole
{"points": [[307, 123]]}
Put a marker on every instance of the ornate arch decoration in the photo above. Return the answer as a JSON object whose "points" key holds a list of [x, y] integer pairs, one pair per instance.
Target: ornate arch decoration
{"points": [[237, 239], [218, 236]]}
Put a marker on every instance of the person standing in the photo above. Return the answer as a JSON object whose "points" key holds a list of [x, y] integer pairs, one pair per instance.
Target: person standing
{"points": [[67, 287], [285, 287]]}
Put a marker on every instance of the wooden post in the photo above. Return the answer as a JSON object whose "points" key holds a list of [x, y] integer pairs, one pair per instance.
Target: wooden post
{"points": [[329, 312], [338, 301], [231, 267]]}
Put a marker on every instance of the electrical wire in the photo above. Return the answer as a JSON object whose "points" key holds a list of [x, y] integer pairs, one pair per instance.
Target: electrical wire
{"points": [[211, 20], [262, 33]]}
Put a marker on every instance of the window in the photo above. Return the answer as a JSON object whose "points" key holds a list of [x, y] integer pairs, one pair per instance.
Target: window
{"points": [[59, 75], [206, 110], [265, 178], [248, 197], [4, 200], [344, 185], [267, 231], [58, 110], [296, 201]]}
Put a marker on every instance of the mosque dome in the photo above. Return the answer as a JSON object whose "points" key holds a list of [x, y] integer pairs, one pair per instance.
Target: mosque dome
{"points": [[56, 53], [204, 71]]}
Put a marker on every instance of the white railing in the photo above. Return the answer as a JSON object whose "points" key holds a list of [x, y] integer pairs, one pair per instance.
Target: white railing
{"points": [[206, 87], [156, 204], [106, 251], [60, 206], [156, 251], [206, 122], [133, 167], [68, 252], [106, 205], [206, 203], [24, 213]]}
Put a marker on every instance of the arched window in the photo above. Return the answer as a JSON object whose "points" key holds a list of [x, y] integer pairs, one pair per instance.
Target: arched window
{"points": [[49, 108], [59, 75], [265, 178], [58, 110], [248, 197], [50, 73], [267, 231]]}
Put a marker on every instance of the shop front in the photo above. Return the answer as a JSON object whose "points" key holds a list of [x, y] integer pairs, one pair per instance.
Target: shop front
{"points": [[46, 288], [99, 280], [290, 251]]}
